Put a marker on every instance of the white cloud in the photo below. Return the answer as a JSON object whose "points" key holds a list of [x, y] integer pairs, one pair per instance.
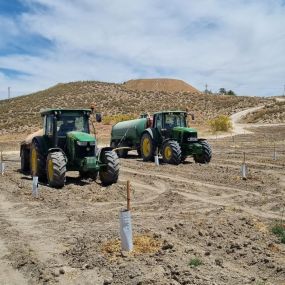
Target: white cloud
{"points": [[238, 45]]}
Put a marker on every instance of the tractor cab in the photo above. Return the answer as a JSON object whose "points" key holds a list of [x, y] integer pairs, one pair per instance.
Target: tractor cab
{"points": [[170, 120]]}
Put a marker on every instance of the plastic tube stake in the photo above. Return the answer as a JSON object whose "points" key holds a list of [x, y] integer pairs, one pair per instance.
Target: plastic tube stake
{"points": [[156, 159], [35, 186], [128, 196], [274, 153]]}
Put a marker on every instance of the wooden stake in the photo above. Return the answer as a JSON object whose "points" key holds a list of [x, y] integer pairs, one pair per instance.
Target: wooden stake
{"points": [[128, 196], [1, 156], [243, 157]]}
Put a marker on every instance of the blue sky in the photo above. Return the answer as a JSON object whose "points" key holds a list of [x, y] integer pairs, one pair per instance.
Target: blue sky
{"points": [[235, 44]]}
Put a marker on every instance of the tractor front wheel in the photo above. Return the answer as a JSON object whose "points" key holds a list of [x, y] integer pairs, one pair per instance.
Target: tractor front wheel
{"points": [[56, 169], [147, 147], [25, 161], [206, 155], [171, 152], [109, 173]]}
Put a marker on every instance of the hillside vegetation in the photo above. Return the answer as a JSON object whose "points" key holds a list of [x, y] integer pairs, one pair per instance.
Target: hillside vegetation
{"points": [[21, 114], [271, 113]]}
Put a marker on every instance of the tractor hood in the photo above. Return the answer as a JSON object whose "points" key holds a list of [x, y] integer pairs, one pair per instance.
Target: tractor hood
{"points": [[81, 137], [184, 130]]}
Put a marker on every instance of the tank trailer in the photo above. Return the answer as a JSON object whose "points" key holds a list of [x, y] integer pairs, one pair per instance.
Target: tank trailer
{"points": [[165, 133]]}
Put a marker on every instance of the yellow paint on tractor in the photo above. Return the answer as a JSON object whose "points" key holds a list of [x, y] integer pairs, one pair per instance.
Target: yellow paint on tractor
{"points": [[34, 161], [168, 152], [146, 146], [50, 170]]}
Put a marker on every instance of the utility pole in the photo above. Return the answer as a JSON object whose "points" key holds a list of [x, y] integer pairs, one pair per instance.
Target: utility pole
{"points": [[284, 90], [206, 90], [9, 92]]}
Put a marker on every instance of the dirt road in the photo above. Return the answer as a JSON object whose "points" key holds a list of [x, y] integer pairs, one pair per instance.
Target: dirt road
{"points": [[194, 212]]}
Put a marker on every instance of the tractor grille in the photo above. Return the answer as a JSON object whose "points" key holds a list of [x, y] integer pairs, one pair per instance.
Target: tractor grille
{"points": [[84, 151], [189, 137]]}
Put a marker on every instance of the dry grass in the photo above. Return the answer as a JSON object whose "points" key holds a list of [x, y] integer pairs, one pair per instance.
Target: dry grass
{"points": [[143, 244], [21, 115]]}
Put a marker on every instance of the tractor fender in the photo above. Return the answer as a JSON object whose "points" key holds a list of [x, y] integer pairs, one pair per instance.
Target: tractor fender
{"points": [[42, 144], [149, 131]]}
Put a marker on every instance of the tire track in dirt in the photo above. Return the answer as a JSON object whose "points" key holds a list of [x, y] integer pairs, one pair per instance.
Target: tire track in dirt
{"points": [[211, 200]]}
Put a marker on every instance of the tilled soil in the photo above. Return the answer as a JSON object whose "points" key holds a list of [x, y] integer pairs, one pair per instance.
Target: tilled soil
{"points": [[204, 213]]}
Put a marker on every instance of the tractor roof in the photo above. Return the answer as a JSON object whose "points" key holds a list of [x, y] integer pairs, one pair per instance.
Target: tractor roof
{"points": [[63, 110], [167, 112]]}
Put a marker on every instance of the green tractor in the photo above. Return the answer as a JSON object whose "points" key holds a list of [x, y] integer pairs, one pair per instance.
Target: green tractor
{"points": [[165, 133], [65, 144]]}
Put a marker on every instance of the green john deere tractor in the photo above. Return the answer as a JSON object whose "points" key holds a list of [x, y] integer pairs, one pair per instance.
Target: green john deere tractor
{"points": [[166, 133], [65, 144]]}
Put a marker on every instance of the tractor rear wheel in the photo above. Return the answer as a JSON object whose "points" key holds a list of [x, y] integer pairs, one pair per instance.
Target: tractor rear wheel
{"points": [[56, 169], [171, 152], [37, 162], [206, 156], [25, 161], [109, 173], [89, 174], [147, 147]]}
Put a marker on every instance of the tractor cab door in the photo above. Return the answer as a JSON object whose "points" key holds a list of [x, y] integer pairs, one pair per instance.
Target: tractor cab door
{"points": [[159, 124]]}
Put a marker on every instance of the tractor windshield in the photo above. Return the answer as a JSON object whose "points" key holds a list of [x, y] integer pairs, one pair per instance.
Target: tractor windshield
{"points": [[67, 123], [173, 120]]}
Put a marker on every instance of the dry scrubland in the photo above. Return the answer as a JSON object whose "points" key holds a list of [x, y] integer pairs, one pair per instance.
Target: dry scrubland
{"points": [[193, 224], [271, 113], [21, 115]]}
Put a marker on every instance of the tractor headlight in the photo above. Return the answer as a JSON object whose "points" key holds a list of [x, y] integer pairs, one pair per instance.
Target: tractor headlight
{"points": [[81, 143]]}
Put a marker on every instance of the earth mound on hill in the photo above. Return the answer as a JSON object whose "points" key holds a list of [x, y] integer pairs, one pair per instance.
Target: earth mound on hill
{"points": [[167, 85]]}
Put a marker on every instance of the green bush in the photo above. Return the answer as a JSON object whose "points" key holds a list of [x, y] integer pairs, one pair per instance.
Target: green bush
{"points": [[279, 230], [221, 124], [194, 262]]}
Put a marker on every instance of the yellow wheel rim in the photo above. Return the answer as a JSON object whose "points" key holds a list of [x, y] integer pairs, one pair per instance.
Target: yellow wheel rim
{"points": [[34, 161], [146, 146], [168, 152], [50, 170]]}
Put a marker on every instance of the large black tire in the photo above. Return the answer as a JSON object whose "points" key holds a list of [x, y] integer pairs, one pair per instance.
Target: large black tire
{"points": [[56, 169], [25, 160], [171, 152], [110, 172], [89, 174], [37, 162], [207, 153], [147, 147]]}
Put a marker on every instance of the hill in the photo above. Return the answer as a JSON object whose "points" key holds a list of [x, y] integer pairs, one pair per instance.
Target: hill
{"points": [[161, 84], [21, 114]]}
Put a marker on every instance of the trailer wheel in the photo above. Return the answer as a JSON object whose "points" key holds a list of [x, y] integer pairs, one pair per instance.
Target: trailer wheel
{"points": [[171, 152], [147, 147], [37, 162], [56, 169], [206, 156], [109, 173]]}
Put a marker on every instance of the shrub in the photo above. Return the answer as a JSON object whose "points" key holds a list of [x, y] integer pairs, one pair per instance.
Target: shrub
{"points": [[222, 123], [113, 119], [194, 262], [279, 230]]}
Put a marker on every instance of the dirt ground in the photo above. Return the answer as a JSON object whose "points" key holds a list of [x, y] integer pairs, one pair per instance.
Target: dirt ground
{"points": [[205, 213]]}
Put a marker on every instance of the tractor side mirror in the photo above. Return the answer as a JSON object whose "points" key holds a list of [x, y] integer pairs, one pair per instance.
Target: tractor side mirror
{"points": [[98, 117]]}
